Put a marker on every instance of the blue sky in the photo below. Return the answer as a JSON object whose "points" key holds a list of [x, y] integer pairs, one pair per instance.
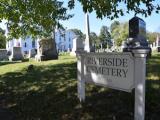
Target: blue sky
{"points": [[78, 21], [152, 22]]}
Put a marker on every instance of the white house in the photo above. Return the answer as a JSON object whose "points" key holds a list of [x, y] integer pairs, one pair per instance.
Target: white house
{"points": [[63, 39], [26, 44]]}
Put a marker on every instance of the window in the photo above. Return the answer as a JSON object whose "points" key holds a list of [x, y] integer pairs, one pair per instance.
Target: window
{"points": [[64, 47], [64, 37], [69, 46], [33, 44], [25, 44]]}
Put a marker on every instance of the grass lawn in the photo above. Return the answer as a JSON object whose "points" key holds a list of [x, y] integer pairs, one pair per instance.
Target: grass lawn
{"points": [[49, 92]]}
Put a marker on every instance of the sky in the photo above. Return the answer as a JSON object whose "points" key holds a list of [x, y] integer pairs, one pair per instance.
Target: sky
{"points": [[78, 21]]}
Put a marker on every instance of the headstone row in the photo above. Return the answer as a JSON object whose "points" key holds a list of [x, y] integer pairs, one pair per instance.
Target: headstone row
{"points": [[3, 54]]}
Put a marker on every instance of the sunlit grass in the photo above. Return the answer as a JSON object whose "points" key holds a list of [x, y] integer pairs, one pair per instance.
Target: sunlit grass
{"points": [[49, 92], [153, 67], [19, 66]]}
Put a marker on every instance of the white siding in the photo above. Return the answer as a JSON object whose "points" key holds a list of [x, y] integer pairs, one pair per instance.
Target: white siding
{"points": [[63, 39]]}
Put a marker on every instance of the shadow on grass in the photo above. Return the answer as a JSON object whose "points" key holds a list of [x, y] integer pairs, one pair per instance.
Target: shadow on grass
{"points": [[152, 99], [43, 93], [7, 62], [50, 93]]}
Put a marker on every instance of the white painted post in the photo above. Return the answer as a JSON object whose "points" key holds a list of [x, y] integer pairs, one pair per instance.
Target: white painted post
{"points": [[140, 77], [80, 77]]}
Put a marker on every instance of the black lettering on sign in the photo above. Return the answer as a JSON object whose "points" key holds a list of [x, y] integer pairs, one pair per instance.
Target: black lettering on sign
{"points": [[107, 71], [91, 61], [125, 62]]}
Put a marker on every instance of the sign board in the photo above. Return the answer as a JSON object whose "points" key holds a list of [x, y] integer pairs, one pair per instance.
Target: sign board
{"points": [[114, 70]]}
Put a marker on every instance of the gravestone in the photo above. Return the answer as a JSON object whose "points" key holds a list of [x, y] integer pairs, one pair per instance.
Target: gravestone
{"points": [[158, 44], [77, 46], [16, 54], [158, 49], [3, 54], [32, 53], [158, 41], [137, 31], [137, 36], [47, 50]]}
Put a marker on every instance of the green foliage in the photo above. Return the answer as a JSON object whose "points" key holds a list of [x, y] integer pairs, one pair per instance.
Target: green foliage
{"points": [[2, 39], [152, 36], [79, 33], [114, 25], [32, 17], [120, 33], [113, 8], [94, 38], [105, 37]]}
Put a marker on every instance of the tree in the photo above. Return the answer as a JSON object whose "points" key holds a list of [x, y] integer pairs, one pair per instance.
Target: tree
{"points": [[79, 33], [120, 33], [94, 39], [114, 25], [105, 37], [112, 8], [2, 39], [32, 17], [152, 36]]}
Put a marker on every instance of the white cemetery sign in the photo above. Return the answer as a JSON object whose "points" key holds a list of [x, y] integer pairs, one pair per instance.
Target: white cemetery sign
{"points": [[114, 70], [121, 71]]}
